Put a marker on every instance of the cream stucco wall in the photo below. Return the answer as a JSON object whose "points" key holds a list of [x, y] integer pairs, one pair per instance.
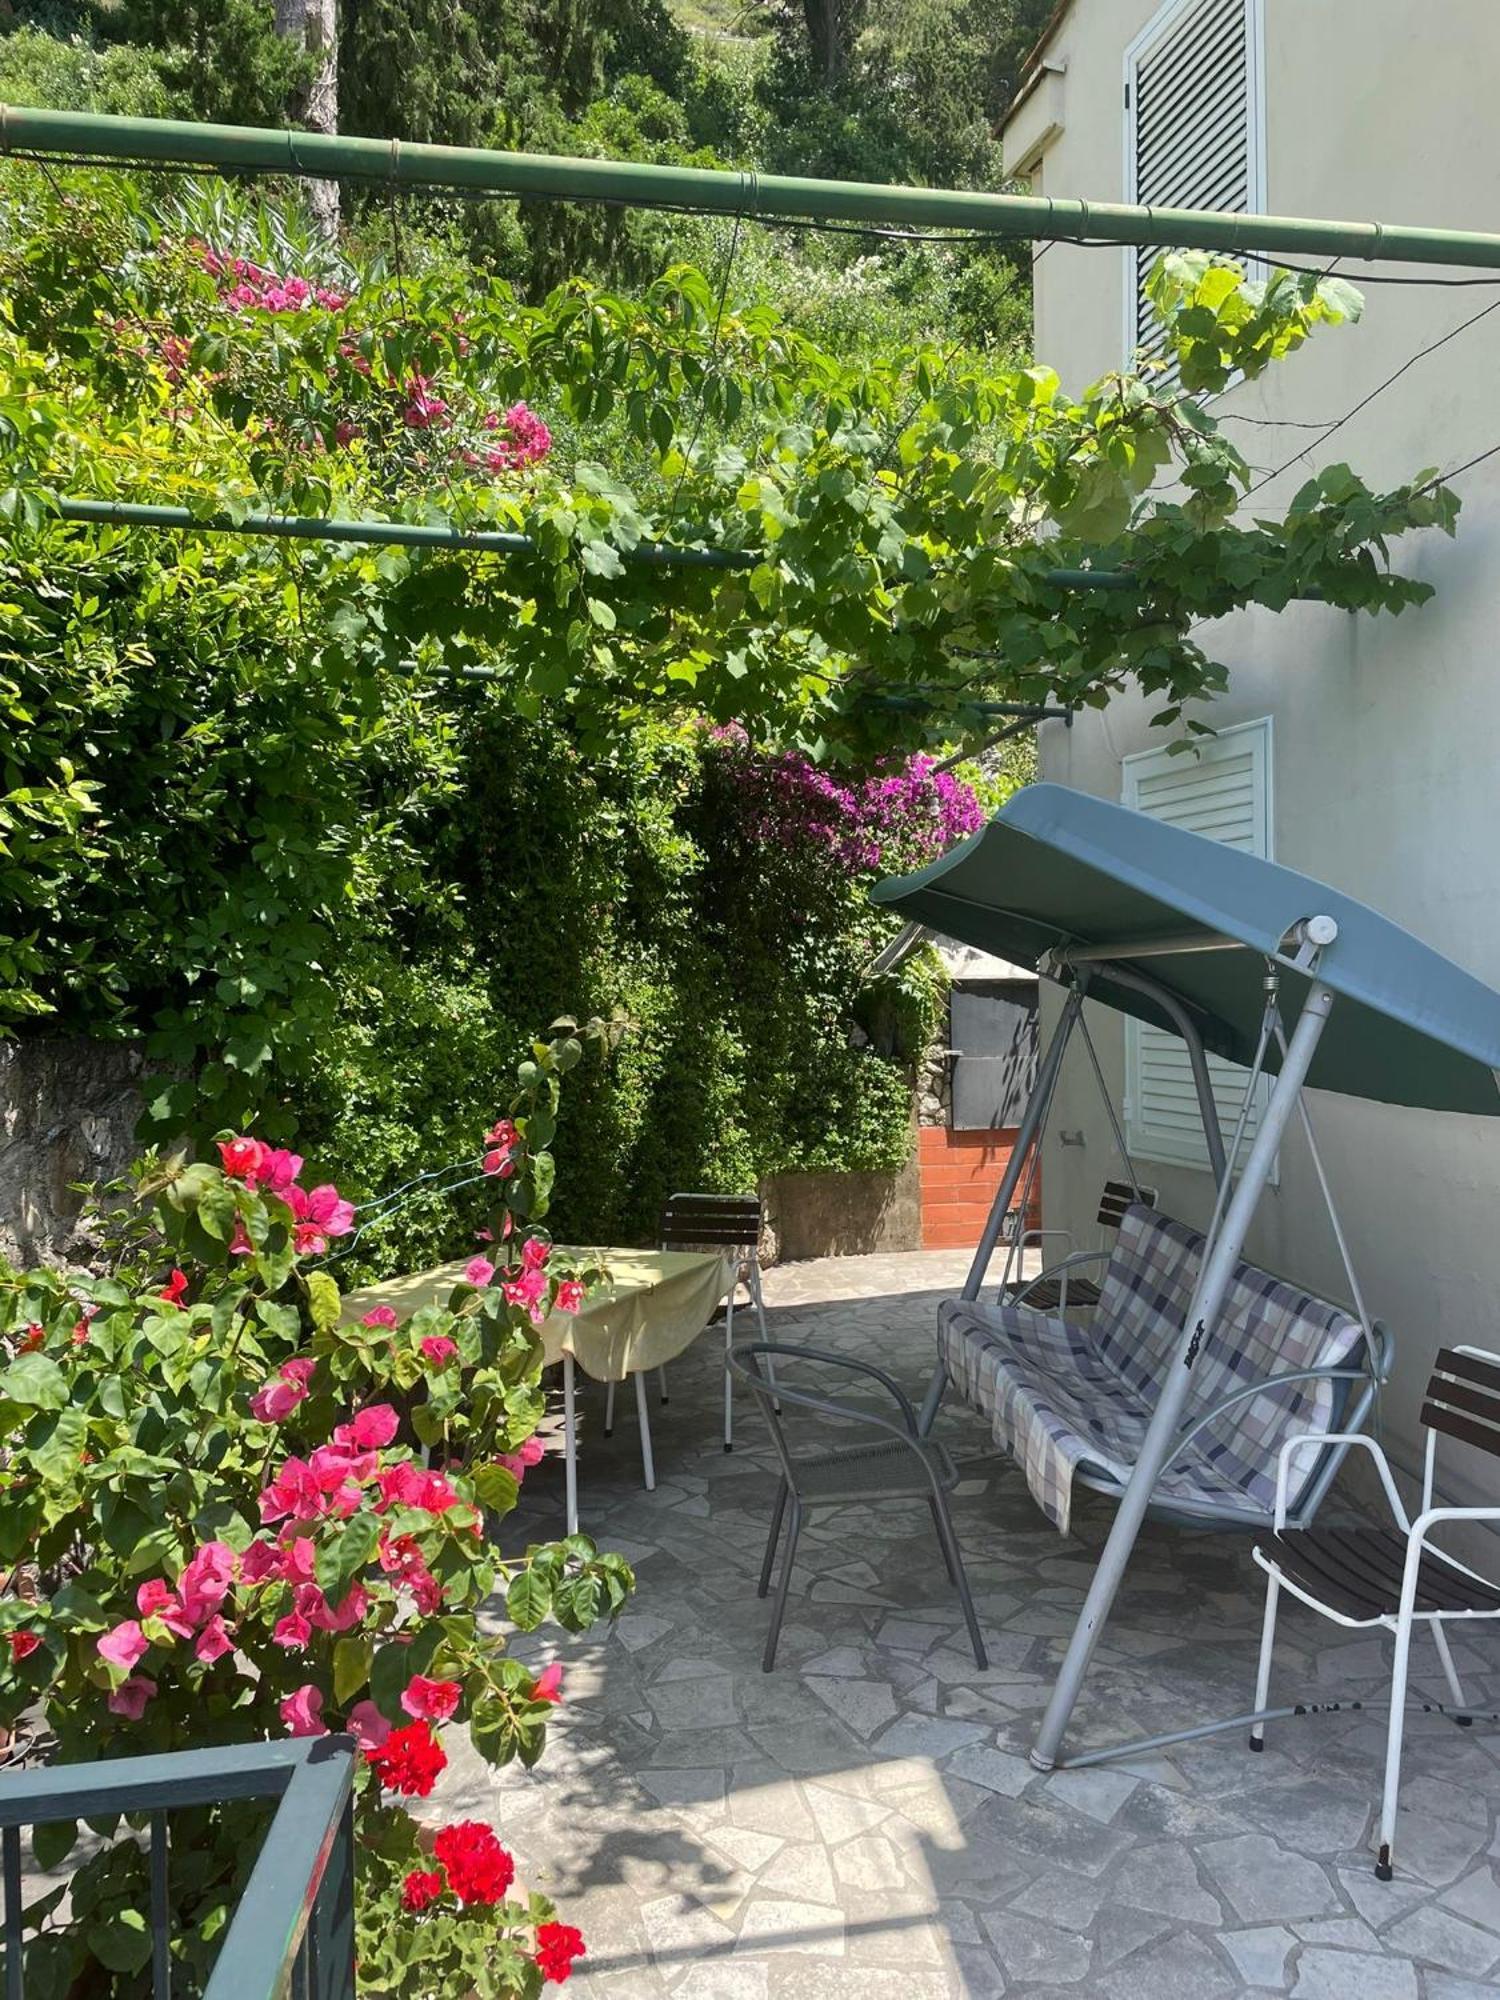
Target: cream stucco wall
{"points": [[1387, 732]]}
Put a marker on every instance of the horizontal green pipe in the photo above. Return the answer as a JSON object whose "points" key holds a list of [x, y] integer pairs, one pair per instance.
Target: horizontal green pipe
{"points": [[433, 535], [250, 149], [396, 534]]}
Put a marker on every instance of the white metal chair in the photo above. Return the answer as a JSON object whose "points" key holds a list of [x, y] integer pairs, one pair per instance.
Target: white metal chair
{"points": [[1396, 1576]]}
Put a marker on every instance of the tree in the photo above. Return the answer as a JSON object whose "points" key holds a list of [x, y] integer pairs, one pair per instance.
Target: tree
{"points": [[311, 26]]}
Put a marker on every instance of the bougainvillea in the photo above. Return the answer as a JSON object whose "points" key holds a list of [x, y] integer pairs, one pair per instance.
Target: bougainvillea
{"points": [[223, 1489]]}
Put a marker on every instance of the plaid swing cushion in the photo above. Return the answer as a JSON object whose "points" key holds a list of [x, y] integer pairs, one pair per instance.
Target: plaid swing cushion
{"points": [[1060, 1396]]}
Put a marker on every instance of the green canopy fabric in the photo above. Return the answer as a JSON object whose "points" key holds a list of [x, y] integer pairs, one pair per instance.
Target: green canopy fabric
{"points": [[1058, 868]]}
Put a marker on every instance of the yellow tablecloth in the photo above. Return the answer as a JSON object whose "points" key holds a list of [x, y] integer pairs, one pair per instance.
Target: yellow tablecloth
{"points": [[654, 1306]]}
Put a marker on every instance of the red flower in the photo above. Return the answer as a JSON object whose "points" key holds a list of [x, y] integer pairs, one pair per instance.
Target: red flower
{"points": [[429, 1700], [548, 1684], [31, 1338], [174, 1288], [22, 1645], [243, 1158], [479, 1869], [408, 1761], [557, 1945], [421, 1887]]}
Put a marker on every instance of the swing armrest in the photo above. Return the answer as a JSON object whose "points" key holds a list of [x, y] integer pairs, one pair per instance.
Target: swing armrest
{"points": [[1317, 1441], [1074, 1262]]}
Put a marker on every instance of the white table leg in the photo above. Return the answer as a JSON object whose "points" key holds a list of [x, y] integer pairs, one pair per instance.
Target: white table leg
{"points": [[570, 1443], [647, 1465]]}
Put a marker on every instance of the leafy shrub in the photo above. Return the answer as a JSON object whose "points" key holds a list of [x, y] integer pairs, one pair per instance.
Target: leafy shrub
{"points": [[218, 1480]]}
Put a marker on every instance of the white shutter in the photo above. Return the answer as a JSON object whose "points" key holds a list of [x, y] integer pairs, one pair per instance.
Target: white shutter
{"points": [[1193, 127], [1222, 788]]}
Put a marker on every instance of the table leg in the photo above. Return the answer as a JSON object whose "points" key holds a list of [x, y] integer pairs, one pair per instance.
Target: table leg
{"points": [[647, 1464], [570, 1443]]}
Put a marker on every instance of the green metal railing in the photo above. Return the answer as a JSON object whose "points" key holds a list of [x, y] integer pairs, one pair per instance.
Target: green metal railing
{"points": [[293, 1933]]}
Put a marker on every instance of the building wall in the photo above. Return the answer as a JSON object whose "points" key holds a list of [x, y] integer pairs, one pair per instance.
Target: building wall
{"points": [[1387, 731]]}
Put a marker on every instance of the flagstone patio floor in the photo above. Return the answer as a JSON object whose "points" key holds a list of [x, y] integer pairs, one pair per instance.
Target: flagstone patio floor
{"points": [[863, 1824]]}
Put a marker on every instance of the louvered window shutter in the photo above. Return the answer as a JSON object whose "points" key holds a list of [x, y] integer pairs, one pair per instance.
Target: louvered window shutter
{"points": [[1192, 126], [1223, 789]]}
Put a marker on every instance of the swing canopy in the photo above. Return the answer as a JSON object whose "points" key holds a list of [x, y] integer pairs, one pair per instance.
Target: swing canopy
{"points": [[1060, 879]]}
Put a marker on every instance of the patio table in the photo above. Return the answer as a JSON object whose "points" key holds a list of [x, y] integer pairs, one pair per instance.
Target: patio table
{"points": [[652, 1308]]}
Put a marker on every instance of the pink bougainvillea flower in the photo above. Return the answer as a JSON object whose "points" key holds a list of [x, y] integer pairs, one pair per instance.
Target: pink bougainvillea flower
{"points": [[214, 1641], [502, 1133], [302, 1712], [276, 1401], [279, 1169], [534, 1253], [498, 1161], [315, 1607], [345, 431], [240, 1244], [154, 1600], [380, 1316], [260, 1563], [408, 1485], [367, 1725], [130, 1697], [548, 1684], [174, 1288], [319, 1213], [301, 1369], [292, 1631], [205, 1582], [530, 1291], [430, 1700], [295, 1492], [22, 1645], [438, 1350], [570, 1296], [479, 1270], [518, 1462], [370, 1429], [484, 1235], [123, 1645], [243, 1158], [422, 409]]}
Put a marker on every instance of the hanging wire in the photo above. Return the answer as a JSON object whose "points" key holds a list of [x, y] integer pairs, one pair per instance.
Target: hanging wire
{"points": [[1379, 390], [1109, 1105]]}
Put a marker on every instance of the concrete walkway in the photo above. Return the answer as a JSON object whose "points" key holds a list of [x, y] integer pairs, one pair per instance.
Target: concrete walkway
{"points": [[863, 1822]]}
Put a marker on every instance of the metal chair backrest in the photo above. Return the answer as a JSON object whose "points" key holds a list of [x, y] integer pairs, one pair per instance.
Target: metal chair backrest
{"points": [[710, 1221], [1117, 1197]]}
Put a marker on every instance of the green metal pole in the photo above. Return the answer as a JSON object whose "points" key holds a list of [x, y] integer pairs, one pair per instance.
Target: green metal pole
{"points": [[249, 149], [436, 535]]}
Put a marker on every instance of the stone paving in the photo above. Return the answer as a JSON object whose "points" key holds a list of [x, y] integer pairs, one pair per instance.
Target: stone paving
{"points": [[863, 1822]]}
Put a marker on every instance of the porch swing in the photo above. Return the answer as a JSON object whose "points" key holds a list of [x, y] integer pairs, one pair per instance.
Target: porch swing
{"points": [[1194, 1368]]}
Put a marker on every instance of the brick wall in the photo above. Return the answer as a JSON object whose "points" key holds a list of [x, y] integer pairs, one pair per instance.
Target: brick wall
{"points": [[960, 1174]]}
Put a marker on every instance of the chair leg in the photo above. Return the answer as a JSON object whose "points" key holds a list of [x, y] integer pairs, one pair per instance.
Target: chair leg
{"points": [[757, 1300], [661, 1379], [728, 1378], [648, 1464], [952, 1555], [937, 1522], [772, 1539], [609, 1409], [1383, 1869], [778, 1610], [1450, 1673], [1263, 1673]]}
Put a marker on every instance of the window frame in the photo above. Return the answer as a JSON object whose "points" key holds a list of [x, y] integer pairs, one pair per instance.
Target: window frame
{"points": [[1166, 18]]}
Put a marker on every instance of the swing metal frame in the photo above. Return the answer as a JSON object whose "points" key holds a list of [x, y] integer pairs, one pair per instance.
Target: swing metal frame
{"points": [[1167, 870]]}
